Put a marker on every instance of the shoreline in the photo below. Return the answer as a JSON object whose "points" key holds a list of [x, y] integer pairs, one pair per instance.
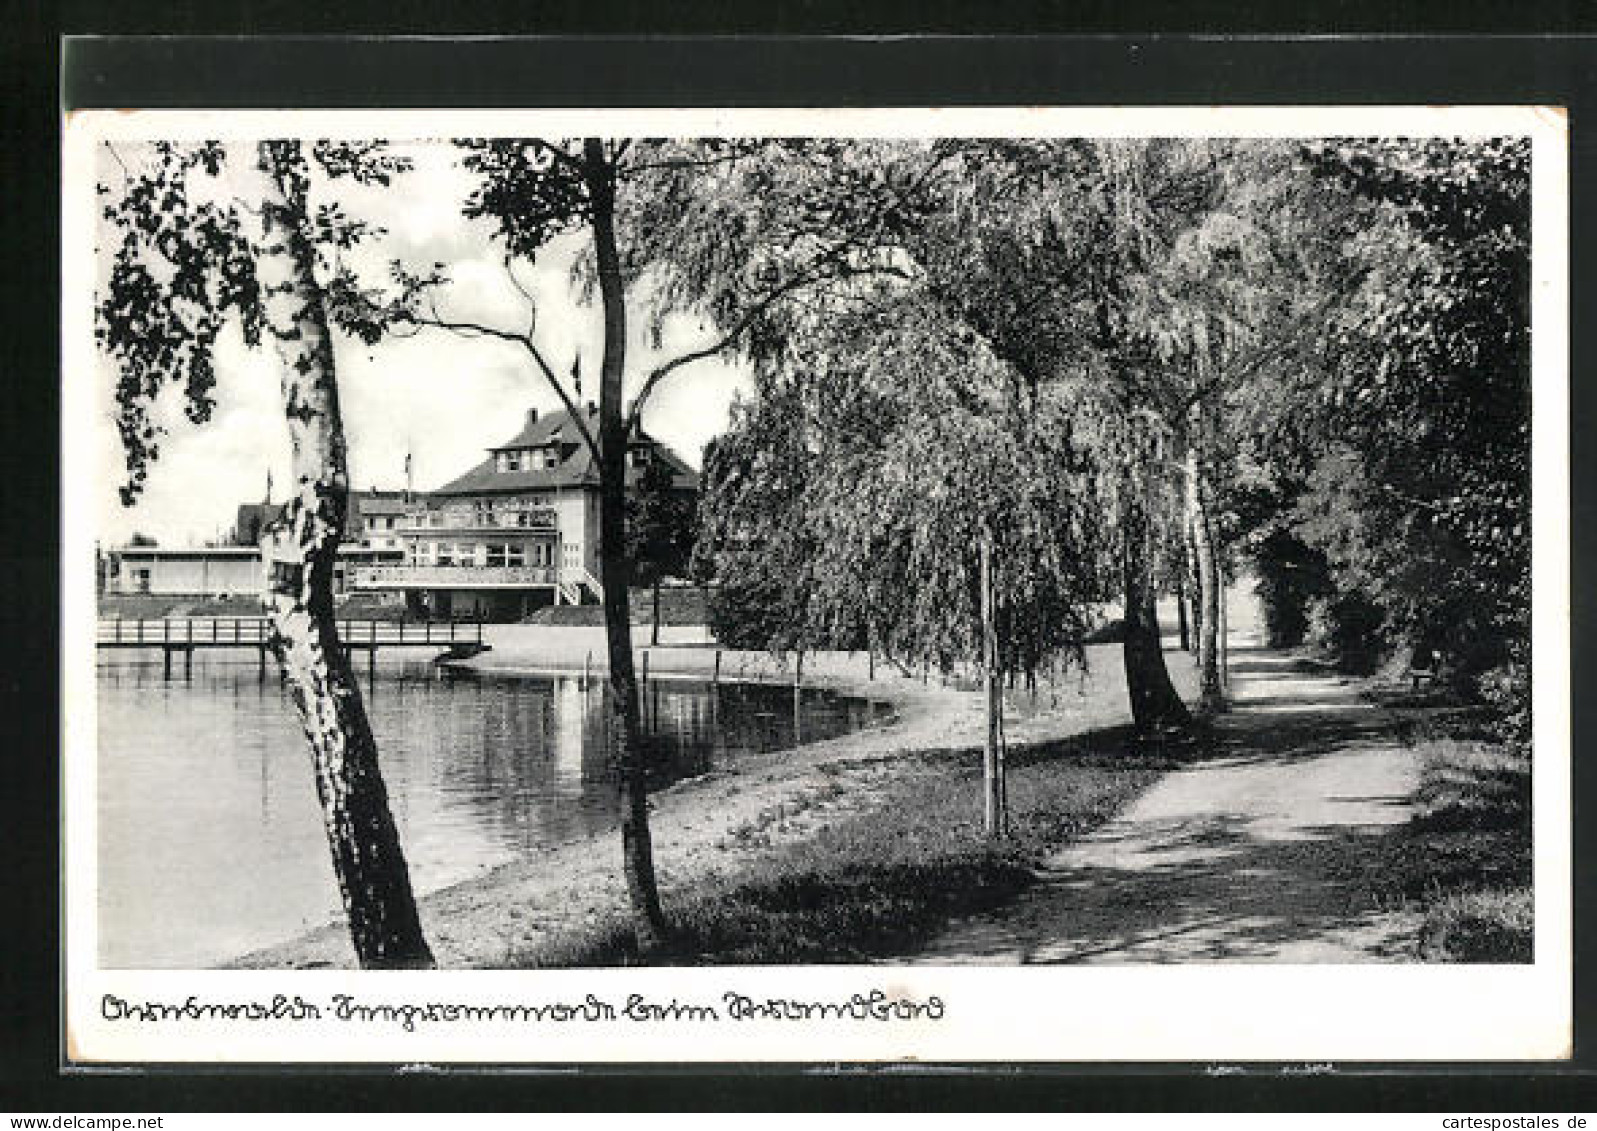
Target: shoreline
{"points": [[696, 823], [711, 825]]}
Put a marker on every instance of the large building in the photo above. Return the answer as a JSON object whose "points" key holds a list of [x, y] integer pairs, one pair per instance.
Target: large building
{"points": [[518, 531]]}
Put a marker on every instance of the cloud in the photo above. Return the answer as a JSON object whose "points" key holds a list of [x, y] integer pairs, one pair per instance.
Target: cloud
{"points": [[443, 397]]}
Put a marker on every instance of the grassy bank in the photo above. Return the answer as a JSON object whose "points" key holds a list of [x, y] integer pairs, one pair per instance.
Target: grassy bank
{"points": [[679, 605], [1467, 850], [882, 882]]}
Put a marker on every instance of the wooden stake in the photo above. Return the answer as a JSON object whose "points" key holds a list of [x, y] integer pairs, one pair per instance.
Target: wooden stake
{"points": [[994, 818]]}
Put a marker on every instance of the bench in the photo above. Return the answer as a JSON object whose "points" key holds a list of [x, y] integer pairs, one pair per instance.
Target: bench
{"points": [[1418, 676], [1423, 667]]}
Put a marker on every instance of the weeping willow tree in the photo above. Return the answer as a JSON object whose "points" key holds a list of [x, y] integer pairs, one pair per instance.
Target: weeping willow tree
{"points": [[875, 485], [1045, 249], [1169, 286]]}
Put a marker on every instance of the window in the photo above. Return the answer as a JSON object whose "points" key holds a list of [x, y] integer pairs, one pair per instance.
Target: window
{"points": [[141, 580], [496, 554], [445, 554], [515, 554]]}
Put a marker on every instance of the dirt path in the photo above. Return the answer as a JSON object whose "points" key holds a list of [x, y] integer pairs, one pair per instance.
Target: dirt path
{"points": [[1265, 854]]}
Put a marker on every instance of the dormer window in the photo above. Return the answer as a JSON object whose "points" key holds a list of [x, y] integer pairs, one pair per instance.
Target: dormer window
{"points": [[638, 457], [520, 459]]}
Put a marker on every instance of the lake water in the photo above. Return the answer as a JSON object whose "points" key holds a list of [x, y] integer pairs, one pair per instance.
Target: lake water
{"points": [[210, 837]]}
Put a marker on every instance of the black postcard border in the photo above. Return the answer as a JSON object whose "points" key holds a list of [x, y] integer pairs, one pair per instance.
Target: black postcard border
{"points": [[731, 71]]}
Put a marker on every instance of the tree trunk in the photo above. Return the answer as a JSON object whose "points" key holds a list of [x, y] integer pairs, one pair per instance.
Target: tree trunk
{"points": [[654, 637], [995, 818], [1154, 702], [1181, 609], [637, 851], [301, 550], [1225, 631], [1189, 578], [1210, 694]]}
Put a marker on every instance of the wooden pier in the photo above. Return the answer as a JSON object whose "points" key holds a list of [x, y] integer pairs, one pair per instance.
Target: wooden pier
{"points": [[183, 637]]}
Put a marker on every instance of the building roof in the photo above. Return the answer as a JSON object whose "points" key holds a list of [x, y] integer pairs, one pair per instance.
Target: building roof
{"points": [[539, 431], [575, 469], [219, 552], [253, 519], [234, 553]]}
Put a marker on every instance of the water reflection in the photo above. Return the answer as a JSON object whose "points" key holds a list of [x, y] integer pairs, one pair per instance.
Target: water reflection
{"points": [[210, 843]]}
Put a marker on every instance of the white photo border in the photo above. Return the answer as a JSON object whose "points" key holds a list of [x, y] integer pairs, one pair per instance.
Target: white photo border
{"points": [[1190, 1013]]}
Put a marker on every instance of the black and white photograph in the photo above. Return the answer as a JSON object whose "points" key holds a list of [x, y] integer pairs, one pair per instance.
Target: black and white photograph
{"points": [[903, 571]]}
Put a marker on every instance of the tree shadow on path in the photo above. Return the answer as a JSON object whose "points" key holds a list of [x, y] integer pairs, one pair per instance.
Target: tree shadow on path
{"points": [[1272, 850]]}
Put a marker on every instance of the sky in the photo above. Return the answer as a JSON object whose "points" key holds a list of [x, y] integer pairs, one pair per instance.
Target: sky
{"points": [[439, 396]]}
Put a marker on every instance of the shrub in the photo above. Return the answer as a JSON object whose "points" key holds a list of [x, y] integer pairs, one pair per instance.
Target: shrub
{"points": [[1291, 575], [1349, 626], [1480, 927]]}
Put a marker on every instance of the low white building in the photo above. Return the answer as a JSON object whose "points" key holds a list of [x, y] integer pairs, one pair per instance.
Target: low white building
{"points": [[216, 571]]}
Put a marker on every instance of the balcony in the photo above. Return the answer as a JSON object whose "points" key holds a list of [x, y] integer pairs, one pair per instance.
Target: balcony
{"points": [[453, 577], [461, 520]]}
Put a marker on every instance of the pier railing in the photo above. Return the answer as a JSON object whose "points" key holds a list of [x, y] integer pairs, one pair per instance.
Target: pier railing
{"points": [[256, 632]]}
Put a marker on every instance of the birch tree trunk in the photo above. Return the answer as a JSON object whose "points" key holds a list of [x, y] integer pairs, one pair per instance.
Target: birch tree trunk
{"points": [[637, 851], [1193, 583], [1154, 702], [301, 551], [1181, 608], [1210, 693]]}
